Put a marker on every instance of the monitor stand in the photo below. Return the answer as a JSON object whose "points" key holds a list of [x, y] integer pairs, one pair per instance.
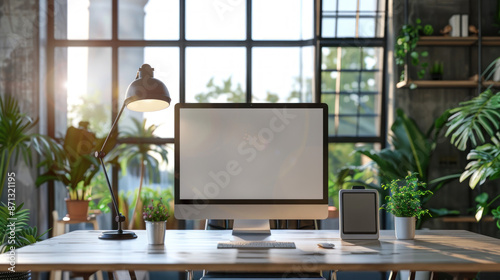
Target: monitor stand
{"points": [[251, 230]]}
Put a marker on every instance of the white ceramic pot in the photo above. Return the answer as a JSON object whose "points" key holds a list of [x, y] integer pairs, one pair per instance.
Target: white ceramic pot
{"points": [[156, 232], [405, 227]]}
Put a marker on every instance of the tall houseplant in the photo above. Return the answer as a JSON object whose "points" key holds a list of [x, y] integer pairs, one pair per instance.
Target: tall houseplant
{"points": [[144, 156], [17, 138], [475, 125], [77, 166]]}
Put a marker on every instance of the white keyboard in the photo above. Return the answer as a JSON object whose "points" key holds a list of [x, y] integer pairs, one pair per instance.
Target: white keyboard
{"points": [[255, 245]]}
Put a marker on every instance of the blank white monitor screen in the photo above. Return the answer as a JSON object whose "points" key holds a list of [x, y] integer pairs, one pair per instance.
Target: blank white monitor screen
{"points": [[250, 154]]}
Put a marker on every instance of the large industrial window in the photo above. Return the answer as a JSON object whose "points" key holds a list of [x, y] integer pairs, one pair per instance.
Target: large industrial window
{"points": [[215, 51]]}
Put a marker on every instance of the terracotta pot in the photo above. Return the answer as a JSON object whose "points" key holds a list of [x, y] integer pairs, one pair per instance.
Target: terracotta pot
{"points": [[77, 209]]}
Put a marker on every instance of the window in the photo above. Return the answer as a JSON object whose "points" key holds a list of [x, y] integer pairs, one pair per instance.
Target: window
{"points": [[217, 51]]}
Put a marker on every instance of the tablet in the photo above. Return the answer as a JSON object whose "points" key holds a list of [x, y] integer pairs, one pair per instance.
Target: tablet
{"points": [[359, 217]]}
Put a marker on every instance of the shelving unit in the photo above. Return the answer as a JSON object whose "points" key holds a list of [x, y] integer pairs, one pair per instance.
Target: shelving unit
{"points": [[478, 41]]}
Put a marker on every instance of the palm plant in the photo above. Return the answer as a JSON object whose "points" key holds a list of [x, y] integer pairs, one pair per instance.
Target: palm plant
{"points": [[24, 234], [411, 153], [17, 138], [475, 124], [142, 155]]}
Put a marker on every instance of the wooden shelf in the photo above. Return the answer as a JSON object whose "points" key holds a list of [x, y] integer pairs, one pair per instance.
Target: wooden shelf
{"points": [[446, 41], [445, 84], [438, 84], [490, 40], [466, 219]]}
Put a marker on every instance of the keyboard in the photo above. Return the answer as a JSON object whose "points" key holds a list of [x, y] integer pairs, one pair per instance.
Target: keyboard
{"points": [[255, 245]]}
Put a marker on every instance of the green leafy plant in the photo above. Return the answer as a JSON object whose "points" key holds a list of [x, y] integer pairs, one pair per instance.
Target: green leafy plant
{"points": [[411, 151], [17, 139], [405, 198], [78, 165], [15, 219], [142, 155], [475, 124], [406, 48], [155, 212]]}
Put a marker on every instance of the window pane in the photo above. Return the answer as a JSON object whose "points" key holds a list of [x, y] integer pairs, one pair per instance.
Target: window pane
{"points": [[368, 104], [329, 5], [329, 81], [368, 5], [369, 82], [329, 99], [349, 81], [165, 61], [282, 19], [371, 58], [349, 103], [351, 58], [328, 27], [368, 126], [215, 75], [346, 27], [149, 20], [366, 27], [215, 20], [83, 89], [85, 19], [278, 77], [348, 126]]}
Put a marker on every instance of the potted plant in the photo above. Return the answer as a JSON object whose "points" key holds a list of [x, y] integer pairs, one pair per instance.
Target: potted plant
{"points": [[155, 215], [17, 138], [16, 233], [77, 167], [405, 204], [406, 44], [437, 70]]}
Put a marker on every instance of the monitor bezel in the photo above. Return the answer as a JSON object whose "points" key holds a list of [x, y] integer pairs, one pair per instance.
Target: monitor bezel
{"points": [[181, 106]]}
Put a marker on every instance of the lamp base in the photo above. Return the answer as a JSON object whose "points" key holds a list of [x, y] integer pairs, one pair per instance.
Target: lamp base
{"points": [[117, 235]]}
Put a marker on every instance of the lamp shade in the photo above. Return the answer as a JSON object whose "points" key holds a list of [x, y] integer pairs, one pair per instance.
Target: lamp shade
{"points": [[146, 93]]}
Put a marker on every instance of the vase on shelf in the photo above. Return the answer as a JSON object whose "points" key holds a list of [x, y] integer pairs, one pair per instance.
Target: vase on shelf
{"points": [[156, 232], [404, 227]]}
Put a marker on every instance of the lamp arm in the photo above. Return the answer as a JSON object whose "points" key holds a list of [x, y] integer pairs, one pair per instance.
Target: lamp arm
{"points": [[101, 153]]}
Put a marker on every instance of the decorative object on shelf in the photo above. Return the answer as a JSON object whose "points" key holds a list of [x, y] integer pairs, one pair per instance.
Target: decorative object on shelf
{"points": [[473, 30], [428, 30], [405, 204], [76, 167], [496, 74], [155, 215], [459, 25], [406, 44], [144, 94], [437, 70], [17, 236], [446, 30]]}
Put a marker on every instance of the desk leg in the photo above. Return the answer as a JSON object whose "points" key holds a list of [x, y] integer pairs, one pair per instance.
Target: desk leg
{"points": [[189, 275], [412, 275]]}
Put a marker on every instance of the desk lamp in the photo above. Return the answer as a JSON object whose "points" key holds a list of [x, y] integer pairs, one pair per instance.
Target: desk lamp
{"points": [[145, 94]]}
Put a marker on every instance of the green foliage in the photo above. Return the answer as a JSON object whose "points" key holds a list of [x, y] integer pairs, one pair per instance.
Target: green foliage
{"points": [[78, 165], [428, 30], [91, 109], [155, 211], [496, 215], [437, 68], [236, 95], [405, 199], [411, 153], [14, 229], [406, 45], [16, 139]]}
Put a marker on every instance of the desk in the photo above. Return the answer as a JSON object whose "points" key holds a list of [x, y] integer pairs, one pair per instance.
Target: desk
{"points": [[435, 250]]}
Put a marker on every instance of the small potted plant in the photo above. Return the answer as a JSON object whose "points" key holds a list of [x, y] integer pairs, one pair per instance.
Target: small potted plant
{"points": [[437, 70], [404, 203], [155, 215]]}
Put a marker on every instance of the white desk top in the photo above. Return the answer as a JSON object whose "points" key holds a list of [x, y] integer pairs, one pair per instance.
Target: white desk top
{"points": [[196, 250]]}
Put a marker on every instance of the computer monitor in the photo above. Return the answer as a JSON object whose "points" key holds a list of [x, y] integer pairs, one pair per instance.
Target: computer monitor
{"points": [[251, 163]]}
